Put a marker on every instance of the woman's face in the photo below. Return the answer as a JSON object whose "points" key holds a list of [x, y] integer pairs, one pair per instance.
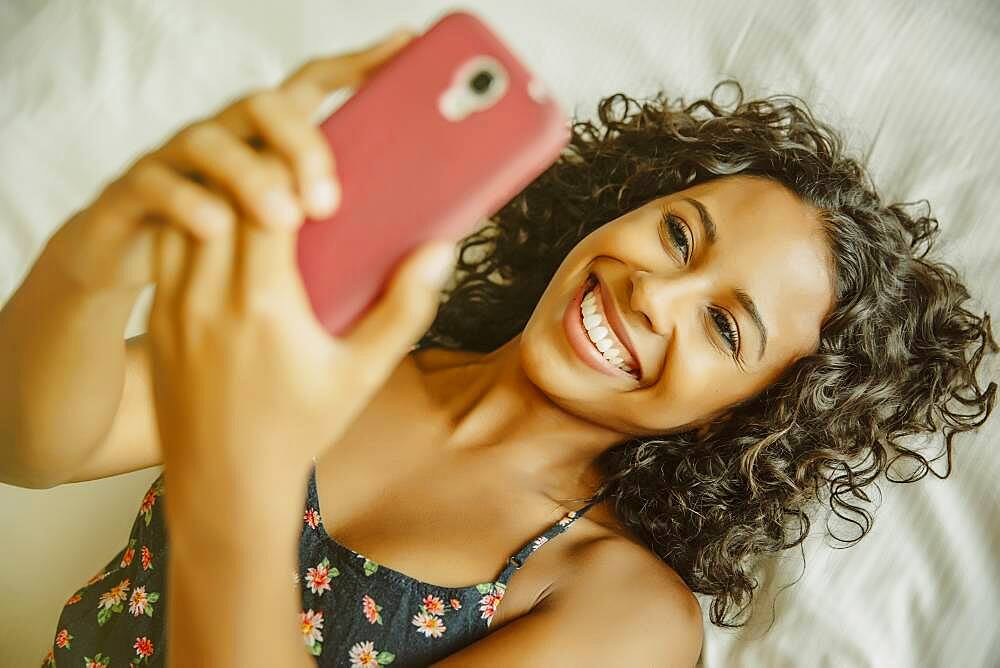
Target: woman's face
{"points": [[677, 295]]}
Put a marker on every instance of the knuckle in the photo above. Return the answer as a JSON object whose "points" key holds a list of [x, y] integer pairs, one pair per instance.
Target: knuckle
{"points": [[241, 103], [117, 199], [142, 170], [187, 135], [180, 200], [140, 166], [104, 213], [236, 107], [260, 103], [197, 135], [151, 185], [130, 182], [119, 188]]}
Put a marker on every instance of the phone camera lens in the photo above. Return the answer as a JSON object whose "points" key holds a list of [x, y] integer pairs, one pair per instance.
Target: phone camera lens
{"points": [[481, 82]]}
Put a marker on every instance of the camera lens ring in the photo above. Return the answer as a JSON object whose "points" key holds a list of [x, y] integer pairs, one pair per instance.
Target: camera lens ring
{"points": [[481, 82]]}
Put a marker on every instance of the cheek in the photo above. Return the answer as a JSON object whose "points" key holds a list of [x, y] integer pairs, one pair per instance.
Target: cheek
{"points": [[631, 231], [698, 382]]}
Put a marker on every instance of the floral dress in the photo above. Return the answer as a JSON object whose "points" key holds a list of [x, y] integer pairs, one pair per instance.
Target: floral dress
{"points": [[355, 612]]}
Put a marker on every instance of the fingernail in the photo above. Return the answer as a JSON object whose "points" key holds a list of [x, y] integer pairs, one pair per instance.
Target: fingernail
{"points": [[283, 208], [324, 197]]}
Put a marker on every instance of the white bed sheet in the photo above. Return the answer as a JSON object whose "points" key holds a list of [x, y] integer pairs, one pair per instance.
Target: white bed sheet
{"points": [[85, 87]]}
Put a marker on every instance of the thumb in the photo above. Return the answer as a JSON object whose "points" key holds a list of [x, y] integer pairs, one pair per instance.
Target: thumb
{"points": [[312, 82], [407, 307]]}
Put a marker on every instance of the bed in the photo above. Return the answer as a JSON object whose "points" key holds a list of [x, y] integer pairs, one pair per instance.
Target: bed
{"points": [[85, 87]]}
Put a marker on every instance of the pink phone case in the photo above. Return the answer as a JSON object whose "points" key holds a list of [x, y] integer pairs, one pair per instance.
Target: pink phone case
{"points": [[408, 174]]}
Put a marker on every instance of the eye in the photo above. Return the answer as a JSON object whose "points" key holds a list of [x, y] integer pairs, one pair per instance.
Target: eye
{"points": [[677, 231], [726, 326]]}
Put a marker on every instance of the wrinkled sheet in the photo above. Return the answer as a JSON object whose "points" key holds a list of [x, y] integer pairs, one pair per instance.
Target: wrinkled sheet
{"points": [[86, 87]]}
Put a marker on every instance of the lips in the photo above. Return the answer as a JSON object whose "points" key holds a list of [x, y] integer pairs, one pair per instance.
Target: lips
{"points": [[579, 340], [617, 325]]}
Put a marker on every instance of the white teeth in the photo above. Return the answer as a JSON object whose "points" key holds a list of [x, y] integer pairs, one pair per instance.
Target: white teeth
{"points": [[602, 344], [599, 333]]}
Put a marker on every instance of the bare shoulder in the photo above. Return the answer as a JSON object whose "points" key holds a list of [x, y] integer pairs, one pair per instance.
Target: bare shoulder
{"points": [[643, 597], [617, 602], [617, 564]]}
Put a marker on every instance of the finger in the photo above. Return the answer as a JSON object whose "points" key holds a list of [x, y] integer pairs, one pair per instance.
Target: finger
{"points": [[154, 188], [262, 190], [210, 272], [312, 82], [266, 269], [171, 255], [403, 313], [279, 125]]}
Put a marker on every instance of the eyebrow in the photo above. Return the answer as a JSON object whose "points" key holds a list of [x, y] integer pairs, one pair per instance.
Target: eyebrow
{"points": [[743, 298], [750, 307]]}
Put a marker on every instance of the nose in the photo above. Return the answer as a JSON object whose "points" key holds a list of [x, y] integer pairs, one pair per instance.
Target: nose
{"points": [[664, 300]]}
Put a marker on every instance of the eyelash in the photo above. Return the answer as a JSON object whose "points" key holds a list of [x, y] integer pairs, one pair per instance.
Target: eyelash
{"points": [[669, 218], [671, 223]]}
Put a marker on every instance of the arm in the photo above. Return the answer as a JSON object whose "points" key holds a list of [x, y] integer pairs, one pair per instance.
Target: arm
{"points": [[249, 387], [63, 357], [621, 607], [230, 594]]}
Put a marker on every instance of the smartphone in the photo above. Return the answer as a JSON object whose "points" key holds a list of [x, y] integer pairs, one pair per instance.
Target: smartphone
{"points": [[434, 141]]}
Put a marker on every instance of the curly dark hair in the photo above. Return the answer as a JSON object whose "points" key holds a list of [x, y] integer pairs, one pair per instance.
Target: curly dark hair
{"points": [[895, 355]]}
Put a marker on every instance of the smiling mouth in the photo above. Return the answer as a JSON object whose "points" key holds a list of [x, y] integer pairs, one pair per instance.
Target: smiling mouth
{"points": [[597, 324], [582, 338]]}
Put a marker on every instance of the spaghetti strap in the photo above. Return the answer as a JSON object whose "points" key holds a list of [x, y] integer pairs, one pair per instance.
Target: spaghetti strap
{"points": [[517, 560], [514, 562]]}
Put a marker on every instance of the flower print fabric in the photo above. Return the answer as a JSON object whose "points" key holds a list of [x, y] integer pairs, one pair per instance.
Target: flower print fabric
{"points": [[116, 618], [355, 612]]}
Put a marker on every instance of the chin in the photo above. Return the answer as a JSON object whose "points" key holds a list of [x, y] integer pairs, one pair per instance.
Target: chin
{"points": [[546, 366]]}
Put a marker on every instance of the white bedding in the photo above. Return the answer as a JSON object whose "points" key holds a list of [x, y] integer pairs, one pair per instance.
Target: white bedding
{"points": [[85, 87]]}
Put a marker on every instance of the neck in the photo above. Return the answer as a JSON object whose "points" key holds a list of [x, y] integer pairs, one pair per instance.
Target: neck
{"points": [[493, 410]]}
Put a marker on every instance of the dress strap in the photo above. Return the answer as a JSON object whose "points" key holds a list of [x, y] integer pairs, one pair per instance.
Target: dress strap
{"points": [[312, 495], [517, 560]]}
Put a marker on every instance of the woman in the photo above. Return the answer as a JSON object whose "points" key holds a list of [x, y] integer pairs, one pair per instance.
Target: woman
{"points": [[771, 330]]}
